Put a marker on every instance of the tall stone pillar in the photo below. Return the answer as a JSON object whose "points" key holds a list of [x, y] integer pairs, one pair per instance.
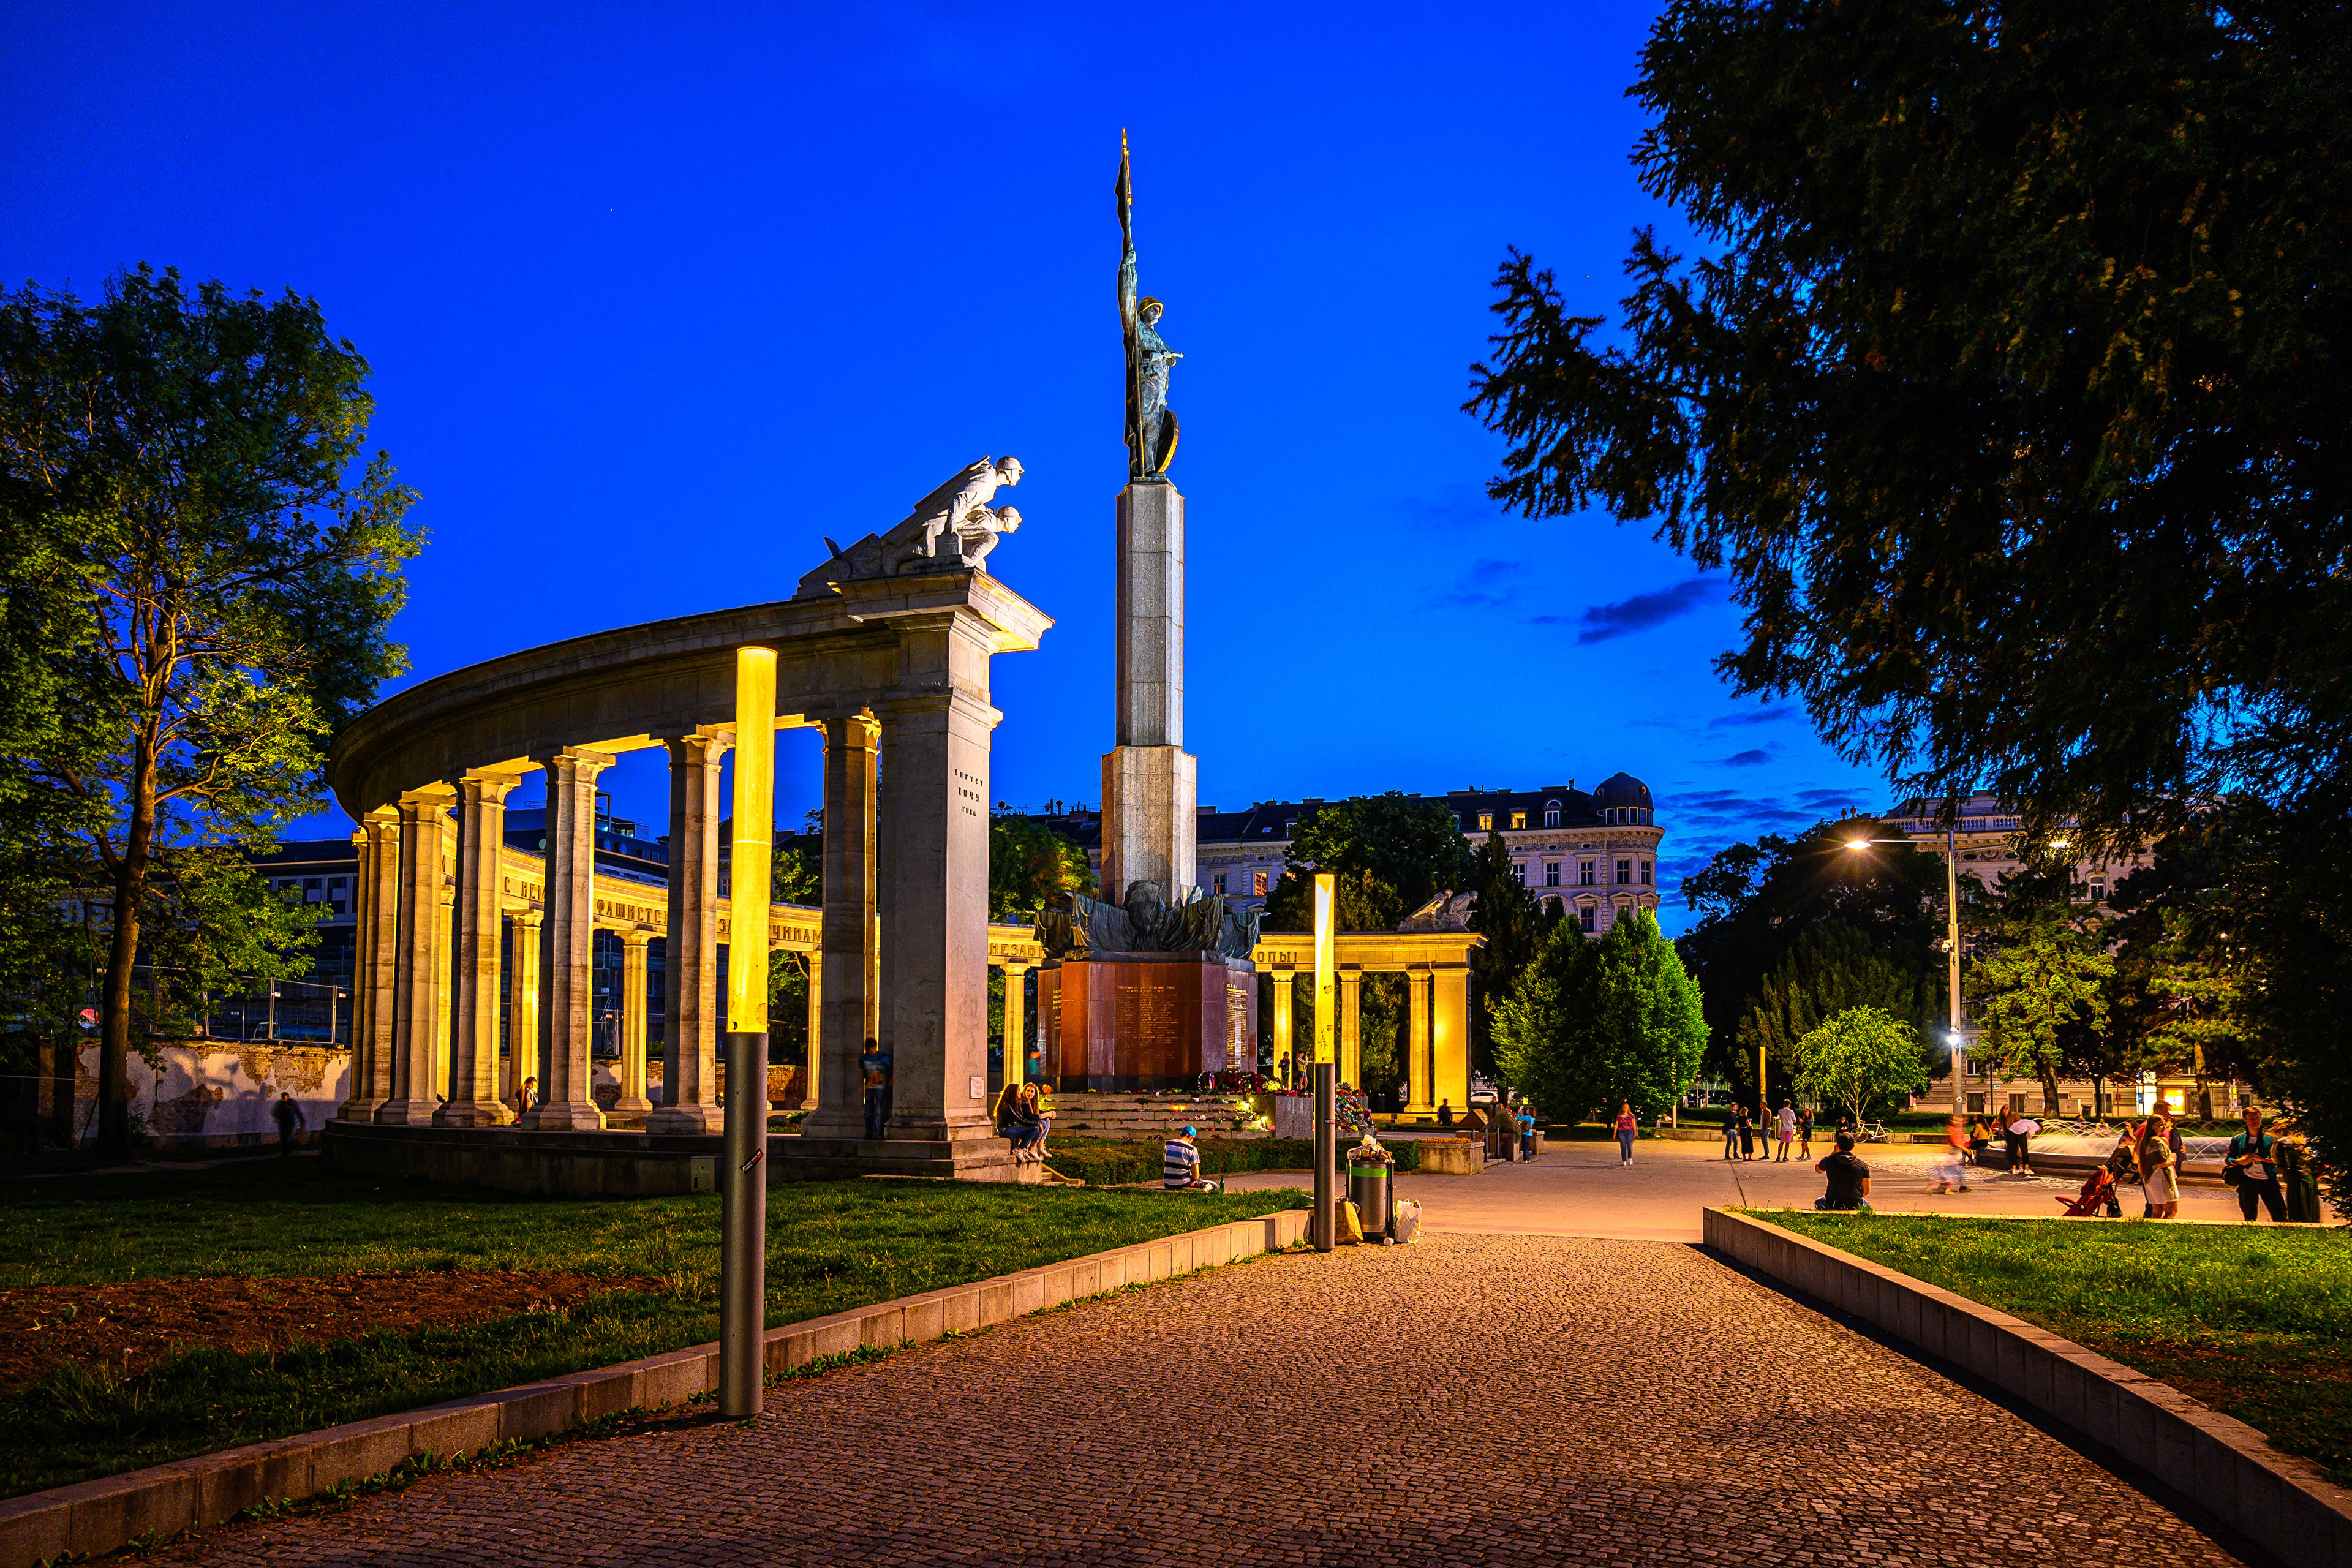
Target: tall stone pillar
{"points": [[813, 1056], [1284, 1016], [936, 935], [1351, 1028], [473, 1041], [632, 1107], [445, 959], [1418, 1100], [417, 965], [1449, 1037], [375, 909], [526, 1054], [1150, 782], [567, 949], [883, 1026], [690, 1101], [848, 931], [1016, 1021]]}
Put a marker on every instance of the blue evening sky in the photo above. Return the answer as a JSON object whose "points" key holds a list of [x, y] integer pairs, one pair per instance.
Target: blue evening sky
{"points": [[657, 296]]}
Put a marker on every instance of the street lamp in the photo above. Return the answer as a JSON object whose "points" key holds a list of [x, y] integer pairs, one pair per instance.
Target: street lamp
{"points": [[1953, 1036]]}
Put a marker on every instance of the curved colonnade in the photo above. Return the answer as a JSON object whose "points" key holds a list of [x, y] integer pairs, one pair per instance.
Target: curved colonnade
{"points": [[894, 671]]}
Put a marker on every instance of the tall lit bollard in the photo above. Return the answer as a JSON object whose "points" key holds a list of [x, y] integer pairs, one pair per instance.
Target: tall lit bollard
{"points": [[743, 1199], [1326, 1024]]}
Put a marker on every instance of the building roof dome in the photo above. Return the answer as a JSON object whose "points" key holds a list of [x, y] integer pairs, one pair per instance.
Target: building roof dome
{"points": [[1620, 790]]}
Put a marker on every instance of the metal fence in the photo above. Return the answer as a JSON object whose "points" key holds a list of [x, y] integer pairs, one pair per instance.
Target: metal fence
{"points": [[282, 1011]]}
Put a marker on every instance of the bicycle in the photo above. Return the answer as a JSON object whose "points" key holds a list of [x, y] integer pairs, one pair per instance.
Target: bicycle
{"points": [[1871, 1132]]}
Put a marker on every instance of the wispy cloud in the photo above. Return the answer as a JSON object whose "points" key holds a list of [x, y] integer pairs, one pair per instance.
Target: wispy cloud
{"points": [[1842, 797], [1488, 584], [1747, 759], [1642, 611], [1771, 715]]}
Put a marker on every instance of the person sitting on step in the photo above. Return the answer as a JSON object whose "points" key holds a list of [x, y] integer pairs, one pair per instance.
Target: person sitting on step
{"points": [[1849, 1178]]}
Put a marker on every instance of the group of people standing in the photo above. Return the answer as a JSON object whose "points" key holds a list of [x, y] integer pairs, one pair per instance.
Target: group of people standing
{"points": [[1790, 1125]]}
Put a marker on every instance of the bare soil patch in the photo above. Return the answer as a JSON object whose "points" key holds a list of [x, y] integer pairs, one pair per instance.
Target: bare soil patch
{"points": [[134, 1324]]}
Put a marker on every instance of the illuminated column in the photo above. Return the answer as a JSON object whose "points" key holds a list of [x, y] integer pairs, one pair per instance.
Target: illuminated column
{"points": [[1449, 1037], [1016, 1021], [750, 858], [375, 909], [567, 944], [848, 928], [1282, 1022], [631, 1105], [444, 960], [526, 1055], [690, 1100], [473, 1041], [815, 1030], [424, 819], [1326, 968], [1418, 1100], [1351, 1036], [935, 927]]}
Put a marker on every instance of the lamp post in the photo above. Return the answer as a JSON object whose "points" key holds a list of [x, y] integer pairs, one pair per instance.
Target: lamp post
{"points": [[1954, 1037], [1326, 1136]]}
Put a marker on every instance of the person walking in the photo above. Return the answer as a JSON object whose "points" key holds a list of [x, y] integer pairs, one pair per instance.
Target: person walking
{"points": [[2253, 1152], [2159, 1173], [1787, 1128], [1627, 1124], [1951, 1172], [289, 1125], [1805, 1131]]}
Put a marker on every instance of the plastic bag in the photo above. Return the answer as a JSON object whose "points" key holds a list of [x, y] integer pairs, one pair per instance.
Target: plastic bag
{"points": [[1404, 1219]]}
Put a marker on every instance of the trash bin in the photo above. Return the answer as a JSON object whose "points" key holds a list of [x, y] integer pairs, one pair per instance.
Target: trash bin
{"points": [[1368, 1189]]}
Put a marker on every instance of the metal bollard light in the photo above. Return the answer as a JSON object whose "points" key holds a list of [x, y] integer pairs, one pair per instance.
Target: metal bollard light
{"points": [[743, 1230]]}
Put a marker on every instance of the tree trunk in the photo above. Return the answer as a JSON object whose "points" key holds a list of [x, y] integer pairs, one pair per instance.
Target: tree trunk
{"points": [[123, 952], [2049, 1091]]}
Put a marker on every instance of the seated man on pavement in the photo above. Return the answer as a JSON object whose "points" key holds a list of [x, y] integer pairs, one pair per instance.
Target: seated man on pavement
{"points": [[1180, 1167], [1849, 1178]]}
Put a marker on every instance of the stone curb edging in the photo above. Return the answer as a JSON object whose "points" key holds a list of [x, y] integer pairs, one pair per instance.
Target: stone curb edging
{"points": [[98, 1516], [2284, 1504]]}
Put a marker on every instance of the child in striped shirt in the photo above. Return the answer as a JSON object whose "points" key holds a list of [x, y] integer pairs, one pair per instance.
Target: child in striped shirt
{"points": [[1180, 1167]]}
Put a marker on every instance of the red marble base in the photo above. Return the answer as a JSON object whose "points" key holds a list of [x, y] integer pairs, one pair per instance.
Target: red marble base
{"points": [[1117, 1021]]}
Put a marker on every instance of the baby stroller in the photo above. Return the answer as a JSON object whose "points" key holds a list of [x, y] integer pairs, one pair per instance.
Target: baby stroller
{"points": [[2097, 1193]]}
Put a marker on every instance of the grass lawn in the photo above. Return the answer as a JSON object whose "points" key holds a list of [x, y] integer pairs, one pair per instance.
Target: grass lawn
{"points": [[2254, 1322], [831, 1245]]}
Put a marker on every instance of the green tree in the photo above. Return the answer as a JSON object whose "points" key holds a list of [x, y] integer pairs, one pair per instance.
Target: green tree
{"points": [[1592, 1023], [1862, 1059], [1407, 844], [2047, 971], [1028, 864], [1827, 970], [2006, 391], [228, 568], [1361, 901], [1514, 923]]}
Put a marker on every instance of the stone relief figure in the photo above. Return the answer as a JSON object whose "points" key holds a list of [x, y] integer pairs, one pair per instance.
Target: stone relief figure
{"points": [[1147, 922], [1150, 422], [953, 529]]}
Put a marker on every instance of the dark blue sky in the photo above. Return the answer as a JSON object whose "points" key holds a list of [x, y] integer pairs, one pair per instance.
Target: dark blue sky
{"points": [[655, 297]]}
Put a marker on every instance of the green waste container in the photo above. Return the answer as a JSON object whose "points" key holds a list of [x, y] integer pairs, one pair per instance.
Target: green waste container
{"points": [[1368, 1189]]}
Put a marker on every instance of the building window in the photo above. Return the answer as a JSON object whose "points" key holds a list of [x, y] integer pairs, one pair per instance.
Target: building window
{"points": [[1551, 873], [1518, 819], [1551, 814], [1291, 827], [1588, 915], [1486, 822], [1645, 873], [1217, 884], [1257, 884], [1584, 873], [1521, 868], [1624, 873]]}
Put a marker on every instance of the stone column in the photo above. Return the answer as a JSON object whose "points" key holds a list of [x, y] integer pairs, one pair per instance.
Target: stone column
{"points": [[474, 1042], [848, 927], [1282, 1024], [526, 1043], [935, 936], [1418, 1100], [812, 1055], [1150, 782], [375, 910], [632, 1107], [444, 971], [1449, 1038], [417, 963], [567, 949], [1016, 1021], [1351, 1030], [883, 1026], [689, 1102]]}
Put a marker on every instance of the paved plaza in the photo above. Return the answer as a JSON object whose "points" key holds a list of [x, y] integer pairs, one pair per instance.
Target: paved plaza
{"points": [[1471, 1399], [1579, 1189]]}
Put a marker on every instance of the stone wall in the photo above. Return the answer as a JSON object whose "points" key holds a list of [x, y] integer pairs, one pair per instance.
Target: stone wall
{"points": [[209, 1094]]}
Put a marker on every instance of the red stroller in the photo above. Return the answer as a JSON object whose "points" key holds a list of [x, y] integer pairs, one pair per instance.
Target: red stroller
{"points": [[2098, 1194]]}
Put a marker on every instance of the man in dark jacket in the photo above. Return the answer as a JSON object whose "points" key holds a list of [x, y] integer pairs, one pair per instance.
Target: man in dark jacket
{"points": [[289, 1116]]}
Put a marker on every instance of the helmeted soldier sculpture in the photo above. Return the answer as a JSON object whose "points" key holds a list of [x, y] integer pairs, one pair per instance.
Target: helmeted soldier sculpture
{"points": [[951, 529], [1150, 422]]}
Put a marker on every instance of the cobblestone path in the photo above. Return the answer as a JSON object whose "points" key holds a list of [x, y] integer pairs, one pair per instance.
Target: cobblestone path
{"points": [[1472, 1399]]}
